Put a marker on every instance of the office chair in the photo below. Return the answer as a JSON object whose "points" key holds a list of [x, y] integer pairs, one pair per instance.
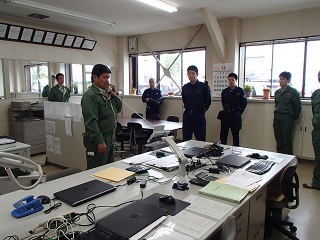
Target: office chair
{"points": [[283, 193], [136, 115], [229, 228], [122, 137], [63, 173], [137, 136], [172, 118]]}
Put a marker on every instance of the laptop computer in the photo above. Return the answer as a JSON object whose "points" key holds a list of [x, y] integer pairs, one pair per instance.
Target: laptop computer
{"points": [[233, 161], [84, 192], [131, 219], [195, 152]]}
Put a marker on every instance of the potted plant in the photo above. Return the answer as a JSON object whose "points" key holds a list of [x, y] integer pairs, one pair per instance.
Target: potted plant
{"points": [[248, 89], [134, 91], [75, 86]]}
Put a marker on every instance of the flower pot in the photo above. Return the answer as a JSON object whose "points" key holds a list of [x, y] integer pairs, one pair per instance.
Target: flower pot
{"points": [[134, 91], [249, 93], [266, 93]]}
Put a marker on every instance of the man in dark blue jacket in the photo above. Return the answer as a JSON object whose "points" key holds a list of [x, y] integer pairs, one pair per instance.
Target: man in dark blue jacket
{"points": [[234, 103], [196, 99], [152, 96]]}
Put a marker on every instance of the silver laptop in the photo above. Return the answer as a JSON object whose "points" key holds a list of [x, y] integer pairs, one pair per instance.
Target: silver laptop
{"points": [[84, 192]]}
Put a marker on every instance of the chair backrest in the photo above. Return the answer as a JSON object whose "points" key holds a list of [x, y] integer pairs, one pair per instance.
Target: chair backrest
{"points": [[62, 173], [119, 128], [136, 115], [134, 128], [173, 118], [229, 228], [289, 182]]}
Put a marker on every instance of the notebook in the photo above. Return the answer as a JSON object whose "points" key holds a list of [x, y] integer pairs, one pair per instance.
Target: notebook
{"points": [[84, 192], [233, 160], [195, 152], [131, 219]]}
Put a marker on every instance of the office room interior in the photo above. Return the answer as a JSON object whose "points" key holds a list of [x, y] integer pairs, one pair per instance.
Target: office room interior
{"points": [[218, 34]]}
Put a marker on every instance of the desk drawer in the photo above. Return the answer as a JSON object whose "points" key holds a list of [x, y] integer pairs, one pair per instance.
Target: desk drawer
{"points": [[242, 216]]}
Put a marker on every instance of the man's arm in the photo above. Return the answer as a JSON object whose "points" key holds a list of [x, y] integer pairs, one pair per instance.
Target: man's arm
{"points": [[118, 103], [207, 98], [244, 101], [51, 95], [297, 105], [160, 97], [144, 96]]}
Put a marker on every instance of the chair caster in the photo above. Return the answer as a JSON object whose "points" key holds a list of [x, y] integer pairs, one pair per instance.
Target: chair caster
{"points": [[293, 229]]}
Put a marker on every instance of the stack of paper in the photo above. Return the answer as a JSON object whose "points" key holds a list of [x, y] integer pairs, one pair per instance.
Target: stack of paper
{"points": [[224, 191], [113, 174]]}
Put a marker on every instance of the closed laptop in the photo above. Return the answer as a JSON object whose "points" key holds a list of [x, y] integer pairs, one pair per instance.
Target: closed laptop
{"points": [[131, 219], [233, 161], [195, 152], [84, 192]]}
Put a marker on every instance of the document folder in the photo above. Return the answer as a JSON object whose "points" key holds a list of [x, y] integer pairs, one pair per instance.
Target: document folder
{"points": [[224, 191]]}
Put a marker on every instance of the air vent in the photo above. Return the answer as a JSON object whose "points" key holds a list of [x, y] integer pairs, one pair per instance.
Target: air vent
{"points": [[38, 16]]}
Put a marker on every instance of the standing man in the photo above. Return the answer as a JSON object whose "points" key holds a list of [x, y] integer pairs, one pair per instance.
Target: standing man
{"points": [[196, 99], [234, 102], [152, 96], [315, 101], [287, 110], [46, 88], [59, 92], [99, 109]]}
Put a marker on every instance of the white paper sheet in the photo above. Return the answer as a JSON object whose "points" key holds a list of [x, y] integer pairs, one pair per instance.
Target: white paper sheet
{"points": [[49, 139], [138, 159], [68, 126], [77, 112], [208, 207], [47, 112], [164, 162], [242, 178], [50, 127], [57, 145]]}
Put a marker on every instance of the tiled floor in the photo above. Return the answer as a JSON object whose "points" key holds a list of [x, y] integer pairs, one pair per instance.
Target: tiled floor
{"points": [[305, 217]]}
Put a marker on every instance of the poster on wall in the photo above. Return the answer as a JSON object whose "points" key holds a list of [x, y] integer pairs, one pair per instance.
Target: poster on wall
{"points": [[220, 77]]}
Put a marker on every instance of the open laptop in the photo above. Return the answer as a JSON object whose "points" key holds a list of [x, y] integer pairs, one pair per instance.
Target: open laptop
{"points": [[233, 161], [195, 152], [131, 219], [84, 192]]}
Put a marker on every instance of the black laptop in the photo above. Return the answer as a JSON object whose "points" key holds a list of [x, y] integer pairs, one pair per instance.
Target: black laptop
{"points": [[84, 192], [131, 219], [195, 152], [233, 160]]}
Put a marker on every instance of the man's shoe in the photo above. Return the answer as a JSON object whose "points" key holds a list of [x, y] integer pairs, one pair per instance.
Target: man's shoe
{"points": [[309, 185]]}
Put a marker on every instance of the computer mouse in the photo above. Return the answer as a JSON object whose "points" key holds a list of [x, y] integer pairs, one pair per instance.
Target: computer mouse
{"points": [[160, 154], [44, 199], [254, 155], [167, 199]]}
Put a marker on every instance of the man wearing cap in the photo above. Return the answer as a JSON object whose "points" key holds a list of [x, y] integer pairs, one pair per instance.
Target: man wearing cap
{"points": [[59, 92], [287, 110], [100, 107], [196, 99]]}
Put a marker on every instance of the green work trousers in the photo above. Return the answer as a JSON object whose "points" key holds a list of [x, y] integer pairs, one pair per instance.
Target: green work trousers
{"points": [[316, 148], [94, 158], [283, 134]]}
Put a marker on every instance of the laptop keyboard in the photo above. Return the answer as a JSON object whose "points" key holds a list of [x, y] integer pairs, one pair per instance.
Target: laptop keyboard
{"points": [[260, 167]]}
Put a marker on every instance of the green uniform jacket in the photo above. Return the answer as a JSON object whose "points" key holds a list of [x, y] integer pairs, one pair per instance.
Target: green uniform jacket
{"points": [[288, 103], [99, 114], [315, 101], [45, 91], [55, 95]]}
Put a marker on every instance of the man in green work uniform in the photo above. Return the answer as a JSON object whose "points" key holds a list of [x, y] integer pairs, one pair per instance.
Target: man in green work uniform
{"points": [[100, 106], [287, 110], [59, 92], [46, 88], [315, 101]]}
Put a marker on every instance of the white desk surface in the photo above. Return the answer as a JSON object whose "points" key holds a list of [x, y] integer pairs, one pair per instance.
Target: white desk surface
{"points": [[10, 225]]}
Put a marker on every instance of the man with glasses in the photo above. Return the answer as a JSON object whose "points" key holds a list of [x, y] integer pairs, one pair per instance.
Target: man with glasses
{"points": [[196, 99]]}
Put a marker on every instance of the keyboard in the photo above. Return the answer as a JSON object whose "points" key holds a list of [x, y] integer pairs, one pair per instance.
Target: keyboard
{"points": [[260, 167], [138, 169]]}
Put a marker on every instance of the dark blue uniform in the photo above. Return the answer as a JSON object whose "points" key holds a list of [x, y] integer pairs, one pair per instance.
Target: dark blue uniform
{"points": [[234, 102], [197, 100], [152, 110]]}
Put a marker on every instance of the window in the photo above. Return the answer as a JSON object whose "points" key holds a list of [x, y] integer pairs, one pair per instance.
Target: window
{"points": [[263, 62], [146, 66], [76, 78], [37, 76], [1, 81], [88, 70]]}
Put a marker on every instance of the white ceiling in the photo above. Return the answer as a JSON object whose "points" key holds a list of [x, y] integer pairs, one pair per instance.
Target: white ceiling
{"points": [[133, 17]]}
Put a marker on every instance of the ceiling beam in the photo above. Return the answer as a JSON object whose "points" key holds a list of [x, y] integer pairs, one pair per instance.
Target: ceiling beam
{"points": [[213, 27]]}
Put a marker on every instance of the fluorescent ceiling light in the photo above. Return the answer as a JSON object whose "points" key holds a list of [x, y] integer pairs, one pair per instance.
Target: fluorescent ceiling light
{"points": [[161, 5], [59, 11]]}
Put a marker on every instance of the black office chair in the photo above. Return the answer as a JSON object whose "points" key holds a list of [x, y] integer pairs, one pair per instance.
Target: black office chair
{"points": [[136, 115], [137, 136], [282, 193], [62, 173], [172, 118], [122, 137]]}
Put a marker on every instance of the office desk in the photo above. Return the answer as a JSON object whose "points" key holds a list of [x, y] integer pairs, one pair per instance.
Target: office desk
{"points": [[149, 125], [249, 213]]}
